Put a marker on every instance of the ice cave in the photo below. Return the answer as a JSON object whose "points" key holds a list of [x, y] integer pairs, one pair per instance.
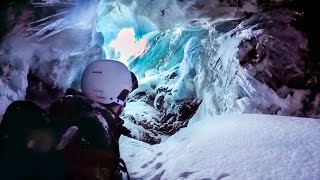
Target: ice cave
{"points": [[228, 89]]}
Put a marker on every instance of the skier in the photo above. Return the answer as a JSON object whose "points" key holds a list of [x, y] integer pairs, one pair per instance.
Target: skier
{"points": [[82, 129]]}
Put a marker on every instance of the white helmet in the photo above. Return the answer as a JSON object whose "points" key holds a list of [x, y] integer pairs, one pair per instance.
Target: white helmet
{"points": [[107, 81]]}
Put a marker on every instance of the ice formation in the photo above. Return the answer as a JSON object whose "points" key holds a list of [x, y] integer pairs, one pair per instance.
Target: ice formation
{"points": [[227, 57], [195, 60]]}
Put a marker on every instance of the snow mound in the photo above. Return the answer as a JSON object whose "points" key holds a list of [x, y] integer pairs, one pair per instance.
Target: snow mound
{"points": [[231, 147]]}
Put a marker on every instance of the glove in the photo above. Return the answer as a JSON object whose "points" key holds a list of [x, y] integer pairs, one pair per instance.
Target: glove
{"points": [[125, 131], [66, 138]]}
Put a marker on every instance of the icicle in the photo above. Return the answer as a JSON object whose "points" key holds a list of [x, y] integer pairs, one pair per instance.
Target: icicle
{"points": [[53, 33], [47, 3], [48, 17], [47, 28]]}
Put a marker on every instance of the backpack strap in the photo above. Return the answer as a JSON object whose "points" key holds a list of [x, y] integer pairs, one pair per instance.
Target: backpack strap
{"points": [[123, 167], [117, 123]]}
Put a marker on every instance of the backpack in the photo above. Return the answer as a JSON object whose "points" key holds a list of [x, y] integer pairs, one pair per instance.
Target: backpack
{"points": [[83, 140], [96, 141], [27, 144]]}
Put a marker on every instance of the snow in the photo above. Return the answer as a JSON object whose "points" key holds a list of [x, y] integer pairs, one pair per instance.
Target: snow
{"points": [[6, 97], [240, 146]]}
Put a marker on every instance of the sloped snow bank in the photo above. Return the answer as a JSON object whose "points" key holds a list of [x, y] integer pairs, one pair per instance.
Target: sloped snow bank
{"points": [[231, 147]]}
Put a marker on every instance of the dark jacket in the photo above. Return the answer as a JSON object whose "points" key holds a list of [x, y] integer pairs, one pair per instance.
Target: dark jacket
{"points": [[92, 153]]}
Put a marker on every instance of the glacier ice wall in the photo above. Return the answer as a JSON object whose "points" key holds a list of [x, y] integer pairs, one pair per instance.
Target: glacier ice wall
{"points": [[205, 57], [53, 49], [239, 64], [276, 53]]}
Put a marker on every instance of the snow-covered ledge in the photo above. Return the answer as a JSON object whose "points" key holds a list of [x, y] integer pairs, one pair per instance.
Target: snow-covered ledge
{"points": [[231, 147]]}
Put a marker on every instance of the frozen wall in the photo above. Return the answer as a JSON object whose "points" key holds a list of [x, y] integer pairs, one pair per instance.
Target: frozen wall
{"points": [[224, 56]]}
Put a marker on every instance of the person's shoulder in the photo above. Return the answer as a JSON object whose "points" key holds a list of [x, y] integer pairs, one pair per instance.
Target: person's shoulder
{"points": [[23, 114], [24, 109], [71, 97], [72, 103], [22, 105]]}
